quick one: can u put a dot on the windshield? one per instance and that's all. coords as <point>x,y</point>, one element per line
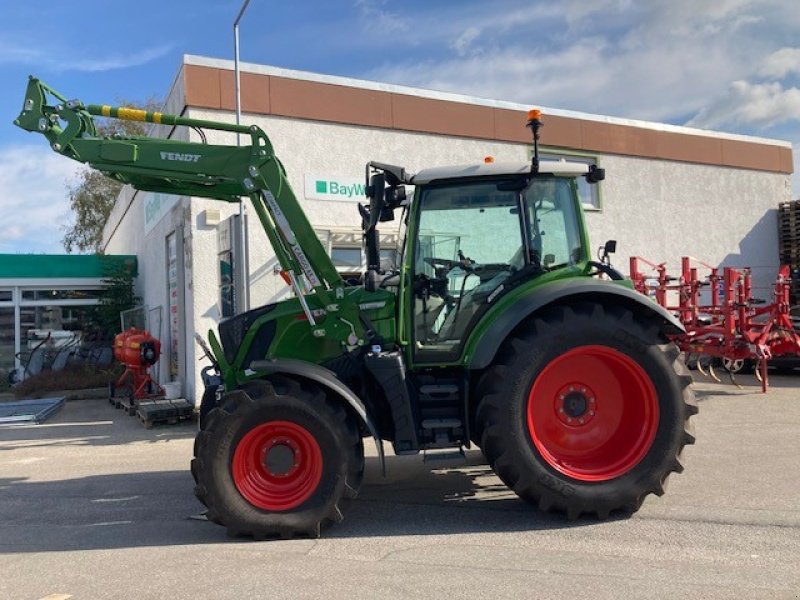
<point>470,240</point>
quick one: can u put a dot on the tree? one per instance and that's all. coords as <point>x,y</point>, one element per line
<point>92,197</point>
<point>118,295</point>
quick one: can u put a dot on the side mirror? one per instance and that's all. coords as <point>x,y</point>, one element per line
<point>595,174</point>
<point>610,247</point>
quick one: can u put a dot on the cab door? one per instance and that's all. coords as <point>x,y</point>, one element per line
<point>468,240</point>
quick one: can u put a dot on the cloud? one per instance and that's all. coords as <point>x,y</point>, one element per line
<point>462,43</point>
<point>764,104</point>
<point>380,19</point>
<point>781,63</point>
<point>54,58</point>
<point>111,63</point>
<point>33,198</point>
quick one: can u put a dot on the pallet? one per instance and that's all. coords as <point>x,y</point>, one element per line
<point>127,404</point>
<point>164,412</point>
<point>116,401</point>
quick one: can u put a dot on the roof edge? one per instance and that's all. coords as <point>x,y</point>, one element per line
<point>365,84</point>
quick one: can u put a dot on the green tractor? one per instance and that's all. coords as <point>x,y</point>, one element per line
<point>495,328</point>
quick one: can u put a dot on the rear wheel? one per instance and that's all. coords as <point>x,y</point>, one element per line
<point>277,459</point>
<point>586,410</point>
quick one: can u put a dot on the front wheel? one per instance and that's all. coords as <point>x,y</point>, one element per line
<point>277,459</point>
<point>586,410</point>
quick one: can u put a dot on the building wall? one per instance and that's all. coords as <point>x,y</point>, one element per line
<point>663,210</point>
<point>655,208</point>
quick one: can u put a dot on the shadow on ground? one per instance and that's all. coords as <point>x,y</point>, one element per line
<point>154,509</point>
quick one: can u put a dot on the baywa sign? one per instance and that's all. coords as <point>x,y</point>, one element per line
<point>326,187</point>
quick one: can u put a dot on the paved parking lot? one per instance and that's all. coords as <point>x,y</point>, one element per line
<point>94,506</point>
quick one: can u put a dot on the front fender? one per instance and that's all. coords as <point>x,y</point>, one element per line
<point>485,346</point>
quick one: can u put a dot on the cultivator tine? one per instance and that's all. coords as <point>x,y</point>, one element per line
<point>733,379</point>
<point>712,373</point>
<point>700,367</point>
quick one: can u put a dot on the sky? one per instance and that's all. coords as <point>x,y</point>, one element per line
<point>727,65</point>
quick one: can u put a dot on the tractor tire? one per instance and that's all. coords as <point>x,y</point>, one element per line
<point>207,404</point>
<point>278,461</point>
<point>586,410</point>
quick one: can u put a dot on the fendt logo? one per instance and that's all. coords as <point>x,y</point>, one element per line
<point>180,156</point>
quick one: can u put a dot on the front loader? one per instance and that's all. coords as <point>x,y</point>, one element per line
<point>497,330</point>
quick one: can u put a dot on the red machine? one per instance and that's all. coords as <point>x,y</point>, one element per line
<point>138,351</point>
<point>728,323</point>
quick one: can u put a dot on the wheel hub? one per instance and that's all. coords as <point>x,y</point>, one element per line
<point>280,459</point>
<point>575,404</point>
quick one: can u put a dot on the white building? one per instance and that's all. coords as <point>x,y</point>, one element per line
<point>669,191</point>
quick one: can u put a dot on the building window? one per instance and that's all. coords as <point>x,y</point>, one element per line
<point>62,294</point>
<point>346,258</point>
<point>348,255</point>
<point>7,342</point>
<point>589,193</point>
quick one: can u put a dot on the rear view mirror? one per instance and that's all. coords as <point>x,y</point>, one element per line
<point>595,174</point>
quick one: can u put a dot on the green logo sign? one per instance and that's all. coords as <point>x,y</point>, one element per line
<point>323,187</point>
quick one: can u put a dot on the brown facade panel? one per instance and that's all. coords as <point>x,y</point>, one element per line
<point>689,148</point>
<point>786,160</point>
<point>201,86</point>
<point>413,113</point>
<point>619,139</point>
<point>509,126</point>
<point>227,90</point>
<point>561,132</point>
<point>255,93</point>
<point>325,102</point>
<point>748,155</point>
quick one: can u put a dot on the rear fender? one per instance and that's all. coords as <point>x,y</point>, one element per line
<point>327,379</point>
<point>562,292</point>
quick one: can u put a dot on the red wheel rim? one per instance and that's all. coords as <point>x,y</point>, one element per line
<point>593,413</point>
<point>277,465</point>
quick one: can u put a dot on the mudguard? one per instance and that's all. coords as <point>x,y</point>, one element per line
<point>328,379</point>
<point>560,291</point>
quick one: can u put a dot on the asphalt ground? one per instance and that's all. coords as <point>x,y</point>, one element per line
<point>94,506</point>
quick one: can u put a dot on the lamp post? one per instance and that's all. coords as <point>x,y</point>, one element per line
<point>245,262</point>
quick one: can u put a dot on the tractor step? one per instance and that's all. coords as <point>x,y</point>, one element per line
<point>443,454</point>
<point>441,423</point>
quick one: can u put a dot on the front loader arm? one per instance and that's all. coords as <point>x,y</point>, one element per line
<point>207,170</point>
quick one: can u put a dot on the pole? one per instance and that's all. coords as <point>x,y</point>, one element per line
<point>245,262</point>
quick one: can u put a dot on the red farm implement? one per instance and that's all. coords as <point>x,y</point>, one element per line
<point>137,350</point>
<point>723,322</point>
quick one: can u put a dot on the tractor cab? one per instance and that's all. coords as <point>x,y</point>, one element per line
<point>474,233</point>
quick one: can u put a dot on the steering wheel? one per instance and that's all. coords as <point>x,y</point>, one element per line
<point>441,263</point>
